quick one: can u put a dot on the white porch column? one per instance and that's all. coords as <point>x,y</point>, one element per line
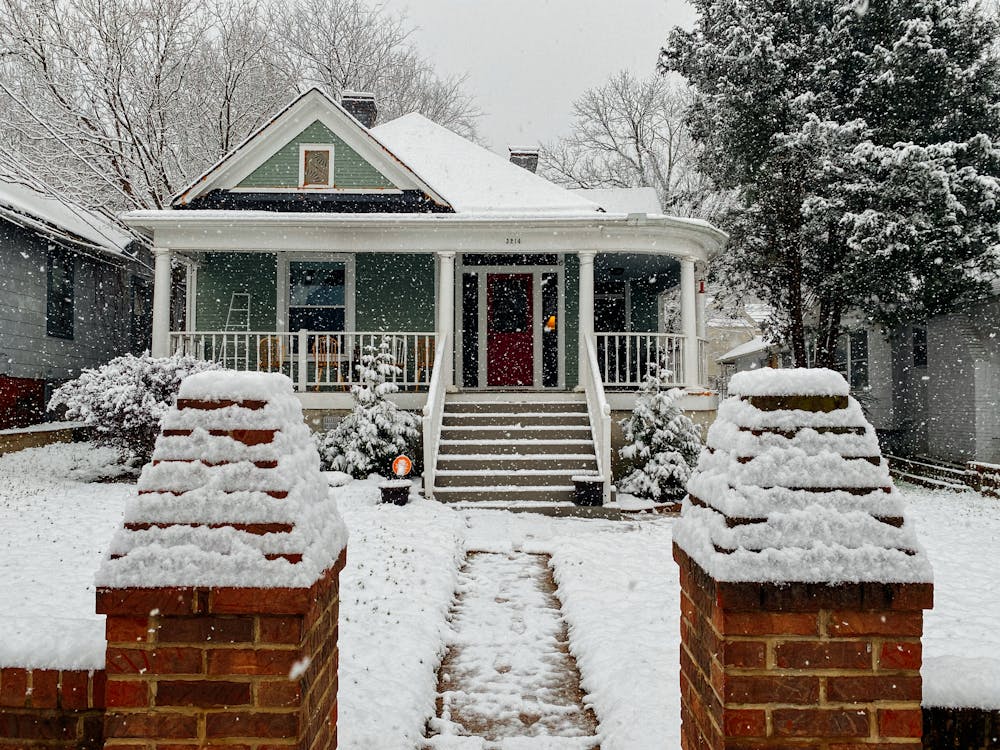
<point>446,299</point>
<point>586,303</point>
<point>689,322</point>
<point>160,346</point>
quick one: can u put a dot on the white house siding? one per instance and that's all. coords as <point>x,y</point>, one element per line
<point>878,398</point>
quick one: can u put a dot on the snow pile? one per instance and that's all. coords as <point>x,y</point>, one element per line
<point>792,487</point>
<point>234,495</point>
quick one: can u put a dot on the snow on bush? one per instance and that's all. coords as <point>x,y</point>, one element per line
<point>662,442</point>
<point>124,400</point>
<point>376,430</point>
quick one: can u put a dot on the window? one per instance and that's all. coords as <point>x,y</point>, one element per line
<point>316,166</point>
<point>852,359</point>
<point>60,305</point>
<point>317,296</point>
<point>919,346</point>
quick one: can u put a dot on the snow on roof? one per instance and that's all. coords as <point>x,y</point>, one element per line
<point>641,200</point>
<point>60,218</point>
<point>471,178</point>
<point>753,346</point>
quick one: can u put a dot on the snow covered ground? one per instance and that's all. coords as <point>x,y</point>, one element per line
<point>617,583</point>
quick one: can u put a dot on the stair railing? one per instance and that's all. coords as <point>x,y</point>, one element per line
<point>599,411</point>
<point>434,408</point>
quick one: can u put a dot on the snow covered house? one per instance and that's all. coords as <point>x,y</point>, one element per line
<point>322,233</point>
<point>74,293</point>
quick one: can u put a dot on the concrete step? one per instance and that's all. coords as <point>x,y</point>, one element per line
<point>515,446</point>
<point>523,432</point>
<point>582,462</point>
<point>513,407</point>
<point>521,478</point>
<point>469,419</point>
<point>506,494</point>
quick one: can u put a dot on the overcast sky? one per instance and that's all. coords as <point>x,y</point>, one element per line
<point>527,60</point>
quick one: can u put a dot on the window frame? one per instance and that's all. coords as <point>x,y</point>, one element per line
<point>285,259</point>
<point>303,148</point>
<point>53,301</point>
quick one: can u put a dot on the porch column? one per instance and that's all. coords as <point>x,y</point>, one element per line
<point>586,303</point>
<point>446,299</point>
<point>160,346</point>
<point>689,322</point>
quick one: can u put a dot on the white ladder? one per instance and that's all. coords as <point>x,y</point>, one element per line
<point>237,319</point>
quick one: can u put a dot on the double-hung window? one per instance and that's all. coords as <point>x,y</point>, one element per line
<point>317,296</point>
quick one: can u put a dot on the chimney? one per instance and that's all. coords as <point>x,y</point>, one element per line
<point>524,157</point>
<point>361,104</point>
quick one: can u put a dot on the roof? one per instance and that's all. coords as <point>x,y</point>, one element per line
<point>753,346</point>
<point>60,219</point>
<point>640,200</point>
<point>471,178</point>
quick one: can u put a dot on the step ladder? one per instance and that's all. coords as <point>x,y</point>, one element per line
<point>237,320</point>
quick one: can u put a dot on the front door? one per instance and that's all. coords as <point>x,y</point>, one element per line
<point>510,337</point>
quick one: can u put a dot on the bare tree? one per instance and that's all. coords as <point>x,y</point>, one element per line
<point>630,132</point>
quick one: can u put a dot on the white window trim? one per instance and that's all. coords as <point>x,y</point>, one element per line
<point>347,259</point>
<point>303,147</point>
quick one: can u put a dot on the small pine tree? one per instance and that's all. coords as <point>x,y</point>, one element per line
<point>376,431</point>
<point>662,442</point>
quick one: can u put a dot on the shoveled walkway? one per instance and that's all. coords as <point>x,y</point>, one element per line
<point>508,680</point>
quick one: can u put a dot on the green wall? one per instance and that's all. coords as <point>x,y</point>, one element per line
<point>572,283</point>
<point>350,170</point>
<point>394,292</point>
<point>221,274</point>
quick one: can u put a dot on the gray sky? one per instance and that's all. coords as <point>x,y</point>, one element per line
<point>527,60</point>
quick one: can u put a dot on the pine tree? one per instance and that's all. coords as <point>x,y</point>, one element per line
<point>660,439</point>
<point>376,431</point>
<point>860,136</point>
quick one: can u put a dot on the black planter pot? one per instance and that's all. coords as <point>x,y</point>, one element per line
<point>589,491</point>
<point>396,492</point>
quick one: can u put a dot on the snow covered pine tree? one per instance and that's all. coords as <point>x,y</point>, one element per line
<point>376,430</point>
<point>663,443</point>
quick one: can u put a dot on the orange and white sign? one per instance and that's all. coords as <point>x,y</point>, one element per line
<point>401,466</point>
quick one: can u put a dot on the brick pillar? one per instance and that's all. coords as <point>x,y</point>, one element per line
<point>201,666</point>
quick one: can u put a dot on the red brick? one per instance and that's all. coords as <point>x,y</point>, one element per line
<point>202,693</point>
<point>912,596</point>
<point>164,601</point>
<point>896,722</point>
<point>875,746</point>
<point>251,661</point>
<point>98,688</point>
<point>771,689</point>
<point>875,623</point>
<point>160,660</point>
<point>13,687</point>
<point>900,655</point>
<point>745,654</point>
<point>158,725</point>
<point>127,693</point>
<point>823,655</point>
<point>251,601</point>
<point>33,727</point>
<point>819,723</point>
<point>121,629</point>
<point>766,623</point>
<point>868,688</point>
<point>205,629</point>
<point>73,689</point>
<point>44,688</point>
<point>744,723</point>
<point>278,693</point>
<point>250,724</point>
<point>279,629</point>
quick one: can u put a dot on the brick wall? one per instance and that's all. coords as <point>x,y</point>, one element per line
<point>196,667</point>
<point>799,665</point>
<point>49,708</point>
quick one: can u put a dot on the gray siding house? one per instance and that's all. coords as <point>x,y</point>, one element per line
<point>74,292</point>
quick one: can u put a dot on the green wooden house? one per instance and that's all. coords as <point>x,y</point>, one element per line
<point>323,233</point>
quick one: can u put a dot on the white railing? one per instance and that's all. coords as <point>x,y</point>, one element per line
<point>315,360</point>
<point>434,410</point>
<point>702,362</point>
<point>623,358</point>
<point>600,412</point>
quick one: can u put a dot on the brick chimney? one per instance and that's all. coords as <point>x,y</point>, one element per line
<point>524,157</point>
<point>361,104</point>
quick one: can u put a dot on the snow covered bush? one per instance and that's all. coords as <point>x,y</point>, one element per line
<point>376,430</point>
<point>662,443</point>
<point>123,401</point>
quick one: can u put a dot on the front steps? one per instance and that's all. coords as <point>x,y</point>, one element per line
<point>513,447</point>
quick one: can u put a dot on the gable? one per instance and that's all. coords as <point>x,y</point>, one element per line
<point>350,169</point>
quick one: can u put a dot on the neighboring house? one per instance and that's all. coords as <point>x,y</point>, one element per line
<point>73,294</point>
<point>323,233</point>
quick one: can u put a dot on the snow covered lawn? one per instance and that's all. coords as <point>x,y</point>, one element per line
<point>617,583</point>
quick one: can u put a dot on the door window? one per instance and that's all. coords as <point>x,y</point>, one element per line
<point>509,303</point>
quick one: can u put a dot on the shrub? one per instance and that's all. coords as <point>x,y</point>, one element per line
<point>123,401</point>
<point>376,431</point>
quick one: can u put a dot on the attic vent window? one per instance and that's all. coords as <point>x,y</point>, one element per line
<point>316,166</point>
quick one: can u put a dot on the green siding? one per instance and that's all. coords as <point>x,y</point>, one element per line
<point>394,292</point>
<point>350,170</point>
<point>572,284</point>
<point>221,274</point>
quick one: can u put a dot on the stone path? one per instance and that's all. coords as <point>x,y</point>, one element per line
<point>508,680</point>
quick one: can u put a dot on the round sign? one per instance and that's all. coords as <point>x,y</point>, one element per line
<point>401,466</point>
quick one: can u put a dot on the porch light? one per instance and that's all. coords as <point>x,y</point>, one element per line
<point>550,323</point>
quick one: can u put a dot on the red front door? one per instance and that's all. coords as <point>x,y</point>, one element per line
<point>510,337</point>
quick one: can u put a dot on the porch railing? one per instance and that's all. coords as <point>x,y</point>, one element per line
<point>314,360</point>
<point>623,358</point>
<point>599,410</point>
<point>434,410</point>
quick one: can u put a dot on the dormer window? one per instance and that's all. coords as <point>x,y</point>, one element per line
<point>315,165</point>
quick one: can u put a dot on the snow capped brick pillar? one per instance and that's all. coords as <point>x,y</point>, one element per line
<point>221,589</point>
<point>803,586</point>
